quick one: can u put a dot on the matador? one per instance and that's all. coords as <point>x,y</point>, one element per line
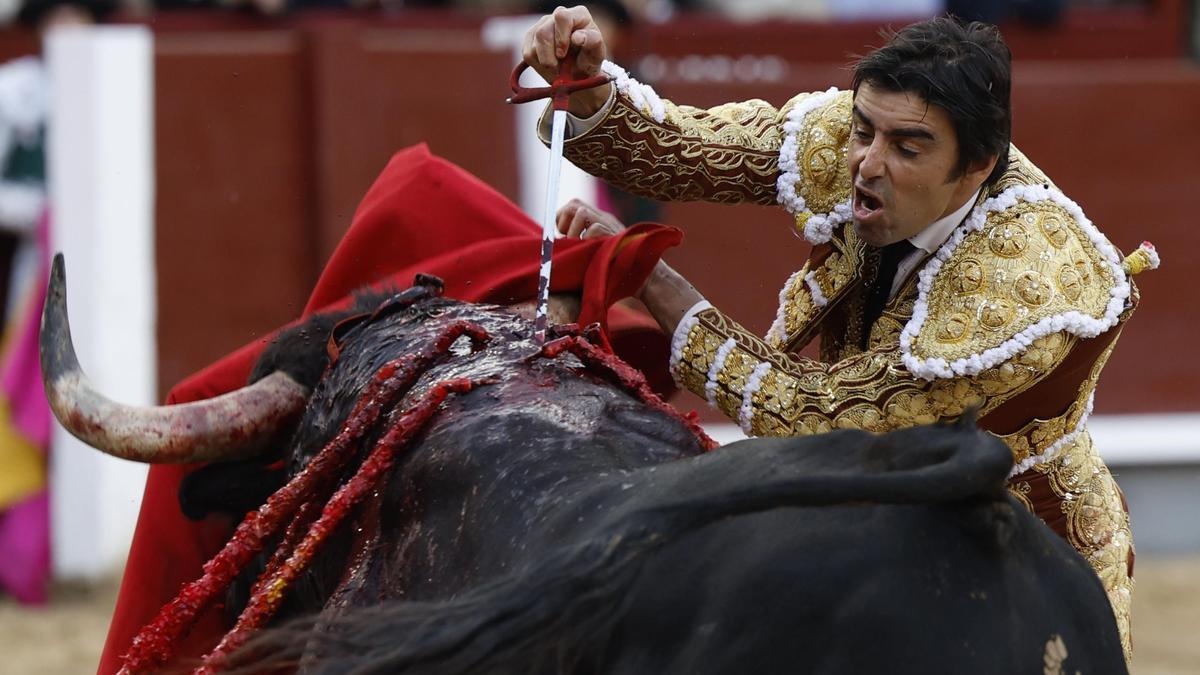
<point>1002,296</point>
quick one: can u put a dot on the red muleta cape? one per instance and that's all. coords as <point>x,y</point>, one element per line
<point>423,214</point>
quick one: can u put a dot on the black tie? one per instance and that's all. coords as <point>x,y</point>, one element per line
<point>889,259</point>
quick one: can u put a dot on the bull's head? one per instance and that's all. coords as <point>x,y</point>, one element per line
<point>236,425</point>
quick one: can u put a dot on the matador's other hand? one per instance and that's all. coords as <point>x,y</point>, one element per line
<point>579,219</point>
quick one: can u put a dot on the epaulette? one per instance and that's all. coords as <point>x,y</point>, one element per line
<point>814,181</point>
<point>1025,263</point>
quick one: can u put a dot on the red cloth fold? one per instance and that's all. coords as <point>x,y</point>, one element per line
<point>423,214</point>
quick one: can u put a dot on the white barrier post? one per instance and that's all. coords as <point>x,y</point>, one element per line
<point>101,171</point>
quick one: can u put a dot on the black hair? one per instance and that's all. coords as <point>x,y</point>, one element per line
<point>966,69</point>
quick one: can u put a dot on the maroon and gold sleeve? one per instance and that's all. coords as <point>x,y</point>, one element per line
<point>772,393</point>
<point>652,147</point>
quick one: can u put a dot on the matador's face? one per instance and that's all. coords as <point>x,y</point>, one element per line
<point>903,153</point>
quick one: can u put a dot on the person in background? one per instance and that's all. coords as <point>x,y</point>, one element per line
<point>24,241</point>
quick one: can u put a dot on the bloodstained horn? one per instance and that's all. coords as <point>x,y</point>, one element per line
<point>235,425</point>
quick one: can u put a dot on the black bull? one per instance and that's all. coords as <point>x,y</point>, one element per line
<point>550,522</point>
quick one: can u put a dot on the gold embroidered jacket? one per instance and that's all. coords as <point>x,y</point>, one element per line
<point>1015,314</point>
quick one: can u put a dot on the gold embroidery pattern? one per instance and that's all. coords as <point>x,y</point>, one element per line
<point>833,277</point>
<point>1028,263</point>
<point>727,154</point>
<point>1020,171</point>
<point>797,307</point>
<point>1097,524</point>
<point>837,276</point>
<point>821,155</point>
<point>1020,491</point>
<point>696,360</point>
<point>870,391</point>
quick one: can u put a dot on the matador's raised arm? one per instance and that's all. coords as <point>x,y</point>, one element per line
<point>652,147</point>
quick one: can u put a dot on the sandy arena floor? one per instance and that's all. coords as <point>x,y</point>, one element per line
<point>65,638</point>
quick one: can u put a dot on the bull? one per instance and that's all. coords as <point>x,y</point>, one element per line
<point>424,490</point>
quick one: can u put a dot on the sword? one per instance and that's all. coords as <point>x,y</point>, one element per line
<point>559,92</point>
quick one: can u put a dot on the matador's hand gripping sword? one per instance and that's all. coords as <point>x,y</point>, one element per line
<point>559,92</point>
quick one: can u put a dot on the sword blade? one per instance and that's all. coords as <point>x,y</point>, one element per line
<point>558,130</point>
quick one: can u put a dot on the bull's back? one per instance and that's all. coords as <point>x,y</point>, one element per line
<point>867,588</point>
<point>485,489</point>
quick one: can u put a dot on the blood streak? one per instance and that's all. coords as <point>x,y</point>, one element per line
<point>270,590</point>
<point>613,369</point>
<point>156,642</point>
<point>306,513</point>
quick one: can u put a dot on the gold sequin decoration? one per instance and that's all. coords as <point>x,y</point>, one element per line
<point>1007,240</point>
<point>1018,276</point>
<point>1069,283</point>
<point>1097,524</point>
<point>1032,289</point>
<point>821,154</point>
<point>834,276</point>
<point>968,276</point>
<point>1055,231</point>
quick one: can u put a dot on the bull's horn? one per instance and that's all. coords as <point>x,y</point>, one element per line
<point>236,425</point>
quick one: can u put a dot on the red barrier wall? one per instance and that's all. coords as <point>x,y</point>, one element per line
<point>268,133</point>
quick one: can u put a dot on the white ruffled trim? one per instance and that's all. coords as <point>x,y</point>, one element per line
<point>643,96</point>
<point>710,386</point>
<point>753,384</point>
<point>678,342</point>
<point>818,297</point>
<point>1053,451</point>
<point>679,339</point>
<point>819,227</point>
<point>778,331</point>
<point>789,164</point>
<point>1074,322</point>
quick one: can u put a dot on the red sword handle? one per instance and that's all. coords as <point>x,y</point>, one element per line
<point>560,89</point>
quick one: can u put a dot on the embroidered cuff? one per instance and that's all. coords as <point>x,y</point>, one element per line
<point>680,337</point>
<point>576,126</point>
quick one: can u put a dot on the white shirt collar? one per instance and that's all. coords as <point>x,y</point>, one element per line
<point>932,237</point>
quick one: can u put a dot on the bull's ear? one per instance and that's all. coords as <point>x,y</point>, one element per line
<point>968,421</point>
<point>300,351</point>
<point>430,282</point>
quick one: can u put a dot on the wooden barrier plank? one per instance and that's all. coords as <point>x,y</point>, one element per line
<point>236,254</point>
